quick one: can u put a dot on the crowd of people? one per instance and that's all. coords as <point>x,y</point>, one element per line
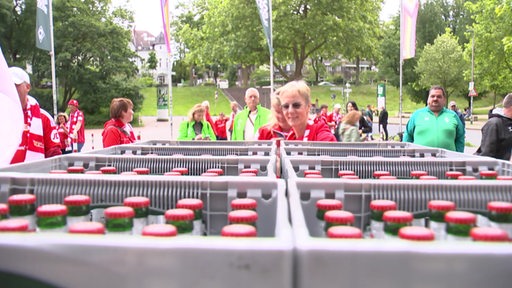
<point>292,117</point>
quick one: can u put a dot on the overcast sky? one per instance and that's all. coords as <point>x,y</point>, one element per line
<point>148,16</point>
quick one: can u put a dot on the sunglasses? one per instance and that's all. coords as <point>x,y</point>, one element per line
<point>295,106</point>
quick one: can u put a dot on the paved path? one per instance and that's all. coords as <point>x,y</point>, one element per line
<point>163,130</point>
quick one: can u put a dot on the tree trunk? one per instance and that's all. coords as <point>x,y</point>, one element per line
<point>358,69</point>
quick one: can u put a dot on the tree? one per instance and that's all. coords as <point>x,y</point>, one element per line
<point>152,61</point>
<point>441,64</point>
<point>91,50</point>
<point>230,31</point>
<point>493,51</point>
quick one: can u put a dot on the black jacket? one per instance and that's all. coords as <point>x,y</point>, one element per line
<point>383,117</point>
<point>496,138</point>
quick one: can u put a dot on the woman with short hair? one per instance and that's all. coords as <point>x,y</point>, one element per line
<point>118,129</point>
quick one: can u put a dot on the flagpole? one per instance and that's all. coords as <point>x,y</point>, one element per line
<point>52,57</point>
<point>401,64</point>
<point>170,62</point>
<point>271,52</point>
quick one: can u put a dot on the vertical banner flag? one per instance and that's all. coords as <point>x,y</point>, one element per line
<point>265,14</point>
<point>164,4</point>
<point>408,17</point>
<point>43,40</point>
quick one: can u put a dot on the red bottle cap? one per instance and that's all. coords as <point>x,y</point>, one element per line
<point>14,225</point>
<point>141,171</point>
<point>76,169</point>
<point>453,174</point>
<point>4,209</point>
<point>350,177</point>
<point>387,177</point>
<point>416,233</point>
<point>119,212</point>
<point>238,230</point>
<point>499,207</point>
<point>344,232</point>
<point>242,216</point>
<point>21,199</point>
<point>181,170</point>
<point>441,205</point>
<point>190,203</point>
<point>244,204</point>
<point>173,173</point>
<point>312,172</point>
<point>250,170</point>
<point>209,174</point>
<point>160,230</point>
<point>428,177</point>
<point>51,210</point>
<point>489,174</point>
<point>94,172</point>
<point>179,214</point>
<point>128,173</point>
<point>488,234</point>
<point>397,216</point>
<point>463,178</point>
<point>86,228</point>
<point>217,171</point>
<point>382,205</point>
<point>329,204</point>
<point>339,217</point>
<point>108,170</point>
<point>418,174</point>
<point>77,200</point>
<point>248,174</point>
<point>503,177</point>
<point>346,173</point>
<point>460,217</point>
<point>313,176</point>
<point>136,202</point>
<point>378,174</point>
<point>58,172</point>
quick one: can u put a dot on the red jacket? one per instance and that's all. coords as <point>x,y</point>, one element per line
<point>209,119</point>
<point>269,132</point>
<point>314,132</point>
<point>115,132</point>
<point>220,128</point>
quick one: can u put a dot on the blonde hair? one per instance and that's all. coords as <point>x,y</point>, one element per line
<point>299,87</point>
<point>63,115</point>
<point>275,104</point>
<point>352,117</point>
<point>198,108</point>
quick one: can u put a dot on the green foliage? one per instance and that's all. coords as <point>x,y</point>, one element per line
<point>152,62</point>
<point>441,64</point>
<point>493,56</point>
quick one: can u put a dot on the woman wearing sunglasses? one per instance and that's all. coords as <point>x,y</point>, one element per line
<point>295,104</point>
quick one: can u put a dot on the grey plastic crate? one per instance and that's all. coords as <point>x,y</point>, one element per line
<point>232,165</point>
<point>412,152</point>
<point>205,143</point>
<point>136,261</point>
<point>400,167</point>
<point>186,150</point>
<point>323,262</point>
<point>367,145</point>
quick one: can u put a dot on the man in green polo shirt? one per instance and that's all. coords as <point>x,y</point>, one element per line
<point>435,125</point>
<point>248,121</point>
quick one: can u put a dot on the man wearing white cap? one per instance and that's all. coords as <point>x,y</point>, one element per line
<point>40,138</point>
<point>453,107</point>
<point>76,125</point>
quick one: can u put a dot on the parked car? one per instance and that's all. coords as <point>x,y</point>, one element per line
<point>325,83</point>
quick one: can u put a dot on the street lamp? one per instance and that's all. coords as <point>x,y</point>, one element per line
<point>348,90</point>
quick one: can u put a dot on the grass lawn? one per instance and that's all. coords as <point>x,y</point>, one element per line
<point>185,97</point>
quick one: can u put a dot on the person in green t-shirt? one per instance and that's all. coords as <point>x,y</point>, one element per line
<point>435,125</point>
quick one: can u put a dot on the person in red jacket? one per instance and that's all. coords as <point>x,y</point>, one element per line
<point>40,138</point>
<point>118,130</point>
<point>62,120</point>
<point>76,125</point>
<point>208,116</point>
<point>278,126</point>
<point>220,127</point>
<point>295,99</point>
